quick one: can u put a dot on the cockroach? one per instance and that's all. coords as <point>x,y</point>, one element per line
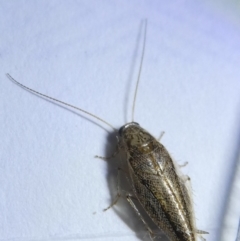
<point>156,181</point>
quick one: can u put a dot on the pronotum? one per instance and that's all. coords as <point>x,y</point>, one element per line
<point>156,181</point>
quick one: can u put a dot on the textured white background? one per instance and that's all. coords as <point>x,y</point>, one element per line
<point>87,53</point>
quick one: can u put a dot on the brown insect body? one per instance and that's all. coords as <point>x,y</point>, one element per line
<point>157,184</point>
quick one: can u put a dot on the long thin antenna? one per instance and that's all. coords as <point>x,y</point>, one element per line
<point>140,69</point>
<point>59,101</point>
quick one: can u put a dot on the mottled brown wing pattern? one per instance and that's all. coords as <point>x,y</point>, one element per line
<point>161,192</point>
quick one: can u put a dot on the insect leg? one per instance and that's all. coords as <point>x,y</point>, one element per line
<point>199,232</point>
<point>129,197</point>
<point>183,165</point>
<point>161,135</point>
<point>202,238</point>
<point>186,178</point>
<point>117,196</point>
<point>115,153</point>
<point>118,190</point>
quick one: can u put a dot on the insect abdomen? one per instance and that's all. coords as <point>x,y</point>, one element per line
<point>157,186</point>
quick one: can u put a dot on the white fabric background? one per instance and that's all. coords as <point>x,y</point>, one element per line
<point>87,53</point>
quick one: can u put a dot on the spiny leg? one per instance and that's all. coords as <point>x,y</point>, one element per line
<point>129,198</point>
<point>118,189</point>
<point>185,178</point>
<point>118,193</point>
<point>115,153</point>
<point>199,232</point>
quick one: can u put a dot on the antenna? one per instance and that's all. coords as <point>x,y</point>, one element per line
<point>140,69</point>
<point>59,101</point>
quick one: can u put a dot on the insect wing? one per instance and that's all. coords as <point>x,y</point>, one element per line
<point>159,188</point>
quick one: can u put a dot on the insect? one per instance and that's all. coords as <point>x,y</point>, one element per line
<point>156,181</point>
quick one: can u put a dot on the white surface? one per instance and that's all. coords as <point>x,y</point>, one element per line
<point>232,217</point>
<point>87,53</point>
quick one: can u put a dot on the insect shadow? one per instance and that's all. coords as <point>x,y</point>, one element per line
<point>117,176</point>
<point>117,170</point>
<point>118,180</point>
